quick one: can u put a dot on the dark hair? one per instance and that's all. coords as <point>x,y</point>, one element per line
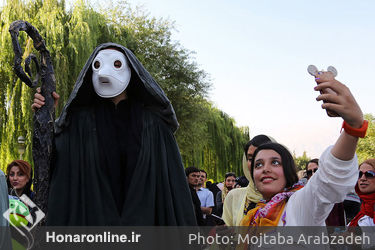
<point>289,166</point>
<point>315,160</point>
<point>190,170</point>
<point>201,170</point>
<point>229,174</point>
<point>256,142</point>
<point>242,181</point>
<point>26,169</point>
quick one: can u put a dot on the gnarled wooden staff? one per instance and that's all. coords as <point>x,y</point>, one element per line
<point>44,117</point>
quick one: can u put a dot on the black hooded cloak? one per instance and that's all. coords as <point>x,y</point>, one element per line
<point>118,165</point>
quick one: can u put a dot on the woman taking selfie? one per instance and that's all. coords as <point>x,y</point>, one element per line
<point>285,202</point>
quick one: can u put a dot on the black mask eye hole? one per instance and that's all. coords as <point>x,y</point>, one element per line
<point>96,64</point>
<point>117,64</point>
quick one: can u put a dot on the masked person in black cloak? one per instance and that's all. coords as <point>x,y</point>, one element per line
<point>116,161</point>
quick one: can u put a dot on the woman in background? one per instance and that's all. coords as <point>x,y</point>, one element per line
<point>365,188</point>
<point>229,182</point>
<point>19,178</point>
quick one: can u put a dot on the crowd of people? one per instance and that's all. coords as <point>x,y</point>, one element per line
<point>235,200</point>
<point>112,139</point>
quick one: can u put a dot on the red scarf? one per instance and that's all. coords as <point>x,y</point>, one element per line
<point>367,207</point>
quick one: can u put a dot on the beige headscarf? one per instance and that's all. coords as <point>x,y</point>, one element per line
<point>224,193</point>
<point>252,195</point>
<point>240,198</point>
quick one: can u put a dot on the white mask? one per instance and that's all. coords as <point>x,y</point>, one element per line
<point>110,73</point>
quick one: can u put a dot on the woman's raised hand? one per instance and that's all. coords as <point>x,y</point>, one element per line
<point>337,98</point>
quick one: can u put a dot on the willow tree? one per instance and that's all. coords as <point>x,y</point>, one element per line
<point>51,19</point>
<point>224,151</point>
<point>16,116</point>
<point>220,148</point>
<point>70,38</point>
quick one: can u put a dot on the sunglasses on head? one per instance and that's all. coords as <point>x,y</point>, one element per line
<point>309,172</point>
<point>368,174</point>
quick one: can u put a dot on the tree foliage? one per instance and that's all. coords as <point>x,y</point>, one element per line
<point>220,149</point>
<point>301,161</point>
<point>208,138</point>
<point>366,146</point>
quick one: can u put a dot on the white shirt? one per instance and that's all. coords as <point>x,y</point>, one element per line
<point>311,205</point>
<point>366,221</point>
<point>206,197</point>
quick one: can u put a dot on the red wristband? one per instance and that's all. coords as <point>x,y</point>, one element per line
<point>356,132</point>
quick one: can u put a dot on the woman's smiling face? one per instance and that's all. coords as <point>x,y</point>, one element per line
<point>366,184</point>
<point>268,173</point>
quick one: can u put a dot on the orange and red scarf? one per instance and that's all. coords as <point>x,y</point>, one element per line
<point>269,213</point>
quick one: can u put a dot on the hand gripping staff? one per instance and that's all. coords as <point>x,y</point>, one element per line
<point>44,117</point>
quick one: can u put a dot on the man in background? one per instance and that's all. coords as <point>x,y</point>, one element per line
<point>192,176</point>
<point>206,198</point>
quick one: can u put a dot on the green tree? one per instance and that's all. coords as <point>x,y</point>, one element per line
<point>366,146</point>
<point>16,116</point>
<point>301,161</point>
<point>221,149</point>
<point>70,38</point>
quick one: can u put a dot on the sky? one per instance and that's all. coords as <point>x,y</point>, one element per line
<point>257,52</point>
